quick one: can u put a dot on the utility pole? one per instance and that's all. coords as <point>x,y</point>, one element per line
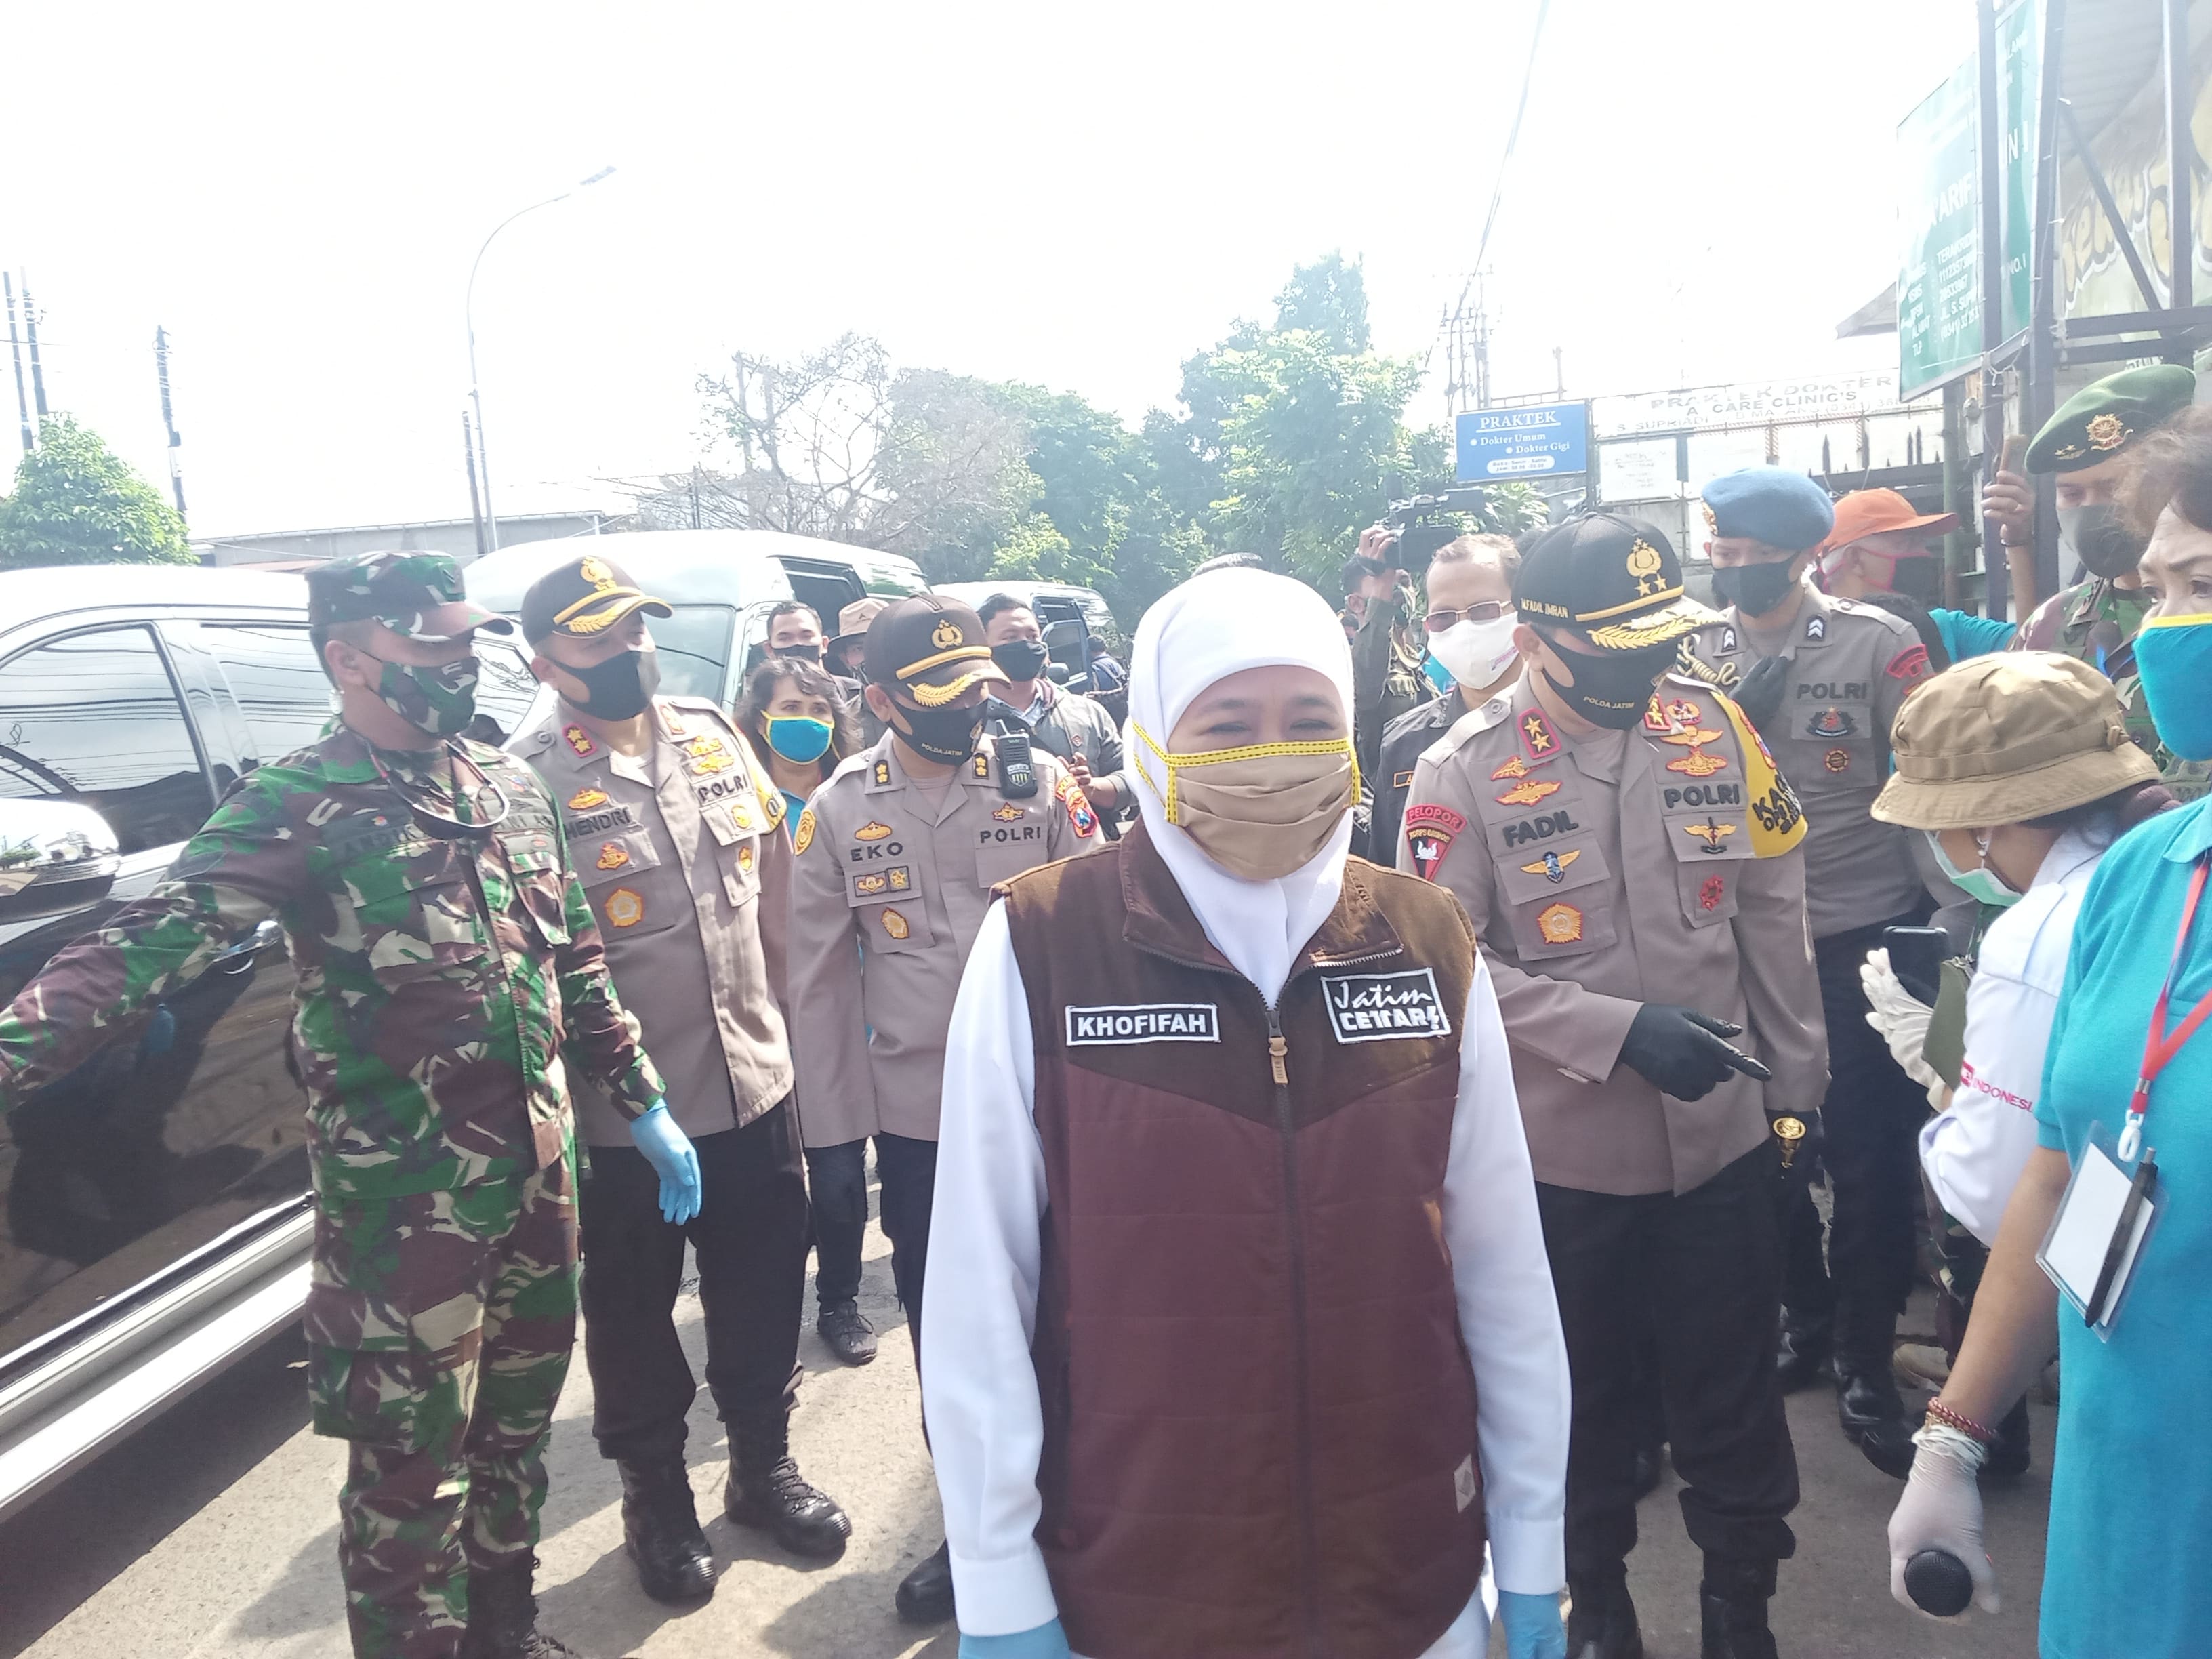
<point>169,414</point>
<point>38,374</point>
<point>1559,371</point>
<point>16,351</point>
<point>476,503</point>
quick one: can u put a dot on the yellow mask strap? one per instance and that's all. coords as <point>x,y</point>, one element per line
<point>1172,763</point>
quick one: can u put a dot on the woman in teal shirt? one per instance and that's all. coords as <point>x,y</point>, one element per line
<point>2126,1569</point>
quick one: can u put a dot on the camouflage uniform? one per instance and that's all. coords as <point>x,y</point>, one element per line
<point>440,976</point>
<point>2062,622</point>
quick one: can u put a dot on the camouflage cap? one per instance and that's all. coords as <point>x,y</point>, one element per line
<point>415,594</point>
<point>2107,416</point>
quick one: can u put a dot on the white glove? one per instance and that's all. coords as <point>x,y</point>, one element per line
<point>1902,1018</point>
<point>1942,1509</point>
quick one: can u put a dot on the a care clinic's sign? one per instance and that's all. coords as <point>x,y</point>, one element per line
<point>1505,444</point>
<point>1754,403</point>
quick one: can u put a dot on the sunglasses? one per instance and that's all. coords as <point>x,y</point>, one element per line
<point>1488,611</point>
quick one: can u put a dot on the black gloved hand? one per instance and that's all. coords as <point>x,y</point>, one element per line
<point>1758,693</point>
<point>1684,1052</point>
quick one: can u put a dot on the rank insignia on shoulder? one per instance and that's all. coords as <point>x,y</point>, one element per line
<point>803,837</point>
<point>585,799</point>
<point>1429,831</point>
<point>1654,717</point>
<point>883,773</point>
<point>624,908</point>
<point>1514,767</point>
<point>1529,791</point>
<point>1698,763</point>
<point>1401,779</point>
<point>1008,812</point>
<point>1816,629</point>
<point>1552,867</point>
<point>894,924</point>
<point>982,766</point>
<point>746,857</point>
<point>1837,760</point>
<point>1537,739</point>
<point>1727,639</point>
<point>580,740</point>
<point>613,856</point>
<point>872,831</point>
<point>1910,664</point>
<point>1710,836</point>
<point>1559,924</point>
<point>1711,891</point>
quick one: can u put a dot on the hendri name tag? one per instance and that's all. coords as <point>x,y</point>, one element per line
<point>1144,1022</point>
<point>1378,1007</point>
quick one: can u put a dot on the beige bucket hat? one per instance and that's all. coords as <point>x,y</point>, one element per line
<point>2005,738</point>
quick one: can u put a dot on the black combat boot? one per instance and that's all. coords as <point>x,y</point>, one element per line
<point>661,1531</point>
<point>766,1491</point>
<point>1732,1600</point>
<point>846,1329</point>
<point>1869,1405</point>
<point>1600,1619</point>
<point>1806,1341</point>
<point>503,1616</point>
<point>925,1595</point>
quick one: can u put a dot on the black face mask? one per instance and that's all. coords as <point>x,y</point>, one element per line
<point>2105,546</point>
<point>799,653</point>
<point>946,736</point>
<point>1614,691</point>
<point>621,686</point>
<point>1755,589</point>
<point>1022,659</point>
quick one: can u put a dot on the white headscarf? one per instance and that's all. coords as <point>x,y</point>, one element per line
<point>1211,627</point>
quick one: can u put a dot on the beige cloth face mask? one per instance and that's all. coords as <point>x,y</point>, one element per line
<point>1262,810</point>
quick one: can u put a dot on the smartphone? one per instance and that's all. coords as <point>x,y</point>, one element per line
<point>1916,957</point>
<point>2014,452</point>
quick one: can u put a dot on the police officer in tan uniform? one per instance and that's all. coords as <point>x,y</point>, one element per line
<point>1822,679</point>
<point>896,859</point>
<point>675,833</point>
<point>1629,857</point>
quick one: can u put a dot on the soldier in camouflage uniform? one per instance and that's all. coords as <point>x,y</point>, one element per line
<point>2096,619</point>
<point>447,960</point>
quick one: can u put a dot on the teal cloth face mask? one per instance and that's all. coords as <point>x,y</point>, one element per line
<point>2174,658</point>
<point>797,738</point>
<point>1983,886</point>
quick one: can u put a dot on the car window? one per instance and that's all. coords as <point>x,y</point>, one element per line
<point>506,686</point>
<point>695,649</point>
<point>94,718</point>
<point>281,689</point>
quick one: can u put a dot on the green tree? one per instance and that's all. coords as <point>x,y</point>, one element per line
<point>75,502</point>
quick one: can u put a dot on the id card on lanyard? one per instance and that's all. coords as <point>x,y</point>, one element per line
<point>2112,1199</point>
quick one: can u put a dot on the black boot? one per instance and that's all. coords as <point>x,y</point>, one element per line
<point>503,1617</point>
<point>1806,1344</point>
<point>1600,1619</point>
<point>660,1530</point>
<point>925,1595</point>
<point>1733,1600</point>
<point>1872,1411</point>
<point>846,1329</point>
<point>2009,1455</point>
<point>767,1491</point>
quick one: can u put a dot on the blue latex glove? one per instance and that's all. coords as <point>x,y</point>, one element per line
<point>1045,1642</point>
<point>1532,1630</point>
<point>668,1149</point>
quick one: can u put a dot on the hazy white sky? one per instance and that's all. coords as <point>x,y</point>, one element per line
<point>1080,195</point>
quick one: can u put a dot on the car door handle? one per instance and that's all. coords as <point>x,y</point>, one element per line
<point>239,959</point>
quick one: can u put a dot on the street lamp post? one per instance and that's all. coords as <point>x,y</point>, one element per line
<point>469,310</point>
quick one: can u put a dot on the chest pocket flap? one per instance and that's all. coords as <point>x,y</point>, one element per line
<point>612,854</point>
<point>1011,836</point>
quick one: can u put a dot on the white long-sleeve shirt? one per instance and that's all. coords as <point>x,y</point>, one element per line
<point>1975,1149</point>
<point>979,1387</point>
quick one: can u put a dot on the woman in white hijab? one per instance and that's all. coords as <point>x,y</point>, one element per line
<point>1241,1336</point>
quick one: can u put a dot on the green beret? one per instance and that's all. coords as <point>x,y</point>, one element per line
<point>2107,416</point>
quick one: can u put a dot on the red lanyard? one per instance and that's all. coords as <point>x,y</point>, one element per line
<point>2159,1048</point>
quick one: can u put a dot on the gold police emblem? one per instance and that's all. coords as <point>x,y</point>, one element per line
<point>1709,835</point>
<point>803,837</point>
<point>1559,924</point>
<point>585,799</point>
<point>1007,813</point>
<point>708,754</point>
<point>746,857</point>
<point>598,574</point>
<point>624,908</point>
<point>946,634</point>
<point>1643,564</point>
<point>894,924</point>
<point>613,856</point>
<point>872,831</point>
<point>2108,431</point>
<point>864,886</point>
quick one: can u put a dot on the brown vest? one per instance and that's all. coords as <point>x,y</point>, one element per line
<point>1259,1417</point>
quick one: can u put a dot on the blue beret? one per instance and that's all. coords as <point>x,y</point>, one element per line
<point>1769,504</point>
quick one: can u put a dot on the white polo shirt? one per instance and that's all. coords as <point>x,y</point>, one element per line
<point>1975,1149</point>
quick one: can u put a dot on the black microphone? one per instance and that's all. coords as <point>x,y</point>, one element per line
<point>1939,1582</point>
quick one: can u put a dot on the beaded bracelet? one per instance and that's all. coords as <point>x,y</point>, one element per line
<point>1940,1413</point>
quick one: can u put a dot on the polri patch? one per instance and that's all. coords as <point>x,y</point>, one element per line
<point>1382,1008</point>
<point>1144,1022</point>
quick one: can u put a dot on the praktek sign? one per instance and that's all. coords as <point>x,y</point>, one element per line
<point>1500,445</point>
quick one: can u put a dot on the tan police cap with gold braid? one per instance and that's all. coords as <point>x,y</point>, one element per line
<point>582,598</point>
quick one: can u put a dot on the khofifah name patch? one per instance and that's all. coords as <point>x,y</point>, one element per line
<point>1144,1022</point>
